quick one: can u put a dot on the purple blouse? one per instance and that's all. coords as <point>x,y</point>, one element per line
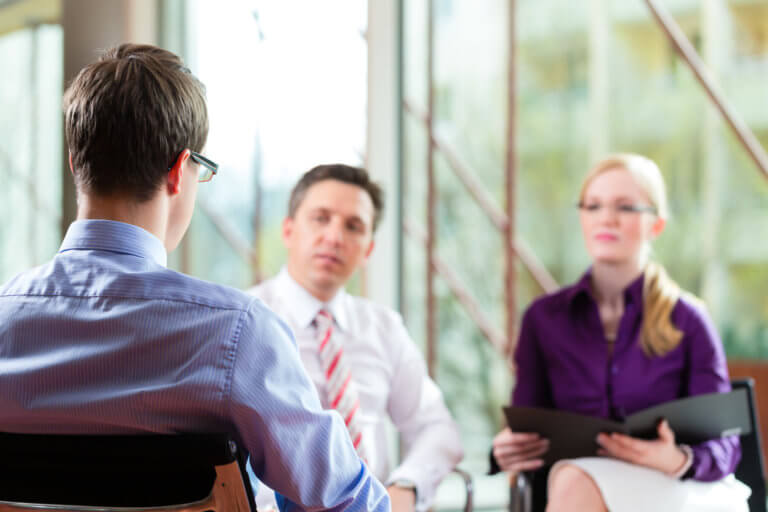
<point>562,362</point>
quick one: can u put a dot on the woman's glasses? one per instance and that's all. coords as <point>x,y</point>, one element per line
<point>617,209</point>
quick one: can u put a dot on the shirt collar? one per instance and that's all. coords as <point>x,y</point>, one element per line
<point>305,306</point>
<point>114,236</point>
<point>633,293</point>
<point>581,287</point>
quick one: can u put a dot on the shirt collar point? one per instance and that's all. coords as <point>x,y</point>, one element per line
<point>580,288</point>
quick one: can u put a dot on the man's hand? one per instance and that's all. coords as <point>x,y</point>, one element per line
<point>518,451</point>
<point>662,454</point>
<point>403,500</point>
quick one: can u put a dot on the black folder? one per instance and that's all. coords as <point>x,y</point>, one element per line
<point>694,419</point>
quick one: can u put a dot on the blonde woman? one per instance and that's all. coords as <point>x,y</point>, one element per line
<point>621,339</point>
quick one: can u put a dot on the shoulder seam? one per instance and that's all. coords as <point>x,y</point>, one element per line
<point>234,350</point>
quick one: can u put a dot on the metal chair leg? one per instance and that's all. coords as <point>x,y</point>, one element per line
<point>520,494</point>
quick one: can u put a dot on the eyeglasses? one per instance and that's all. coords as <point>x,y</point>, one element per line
<point>211,168</point>
<point>617,209</point>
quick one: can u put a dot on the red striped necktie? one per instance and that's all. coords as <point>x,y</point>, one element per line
<point>342,393</point>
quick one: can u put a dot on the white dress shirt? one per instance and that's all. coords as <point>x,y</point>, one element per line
<point>390,376</point>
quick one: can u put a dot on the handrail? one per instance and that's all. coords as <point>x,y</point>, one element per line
<point>510,182</point>
<point>460,291</point>
<point>9,168</point>
<point>688,53</point>
<point>486,203</point>
<point>229,234</point>
<point>431,235</point>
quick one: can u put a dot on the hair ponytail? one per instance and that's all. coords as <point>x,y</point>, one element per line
<point>659,335</point>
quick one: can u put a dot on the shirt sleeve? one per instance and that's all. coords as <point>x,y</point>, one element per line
<point>531,380</point>
<point>531,377</point>
<point>295,447</point>
<point>416,407</point>
<point>708,373</point>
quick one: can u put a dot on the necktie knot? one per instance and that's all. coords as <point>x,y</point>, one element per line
<point>323,321</point>
<point>324,325</point>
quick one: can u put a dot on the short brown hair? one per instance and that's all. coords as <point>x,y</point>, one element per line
<point>128,116</point>
<point>340,172</point>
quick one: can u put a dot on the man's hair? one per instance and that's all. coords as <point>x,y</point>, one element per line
<point>128,116</point>
<point>339,172</point>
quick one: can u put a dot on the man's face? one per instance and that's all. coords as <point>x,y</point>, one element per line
<point>329,237</point>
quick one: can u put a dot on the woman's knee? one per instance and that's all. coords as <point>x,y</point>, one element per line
<point>570,488</point>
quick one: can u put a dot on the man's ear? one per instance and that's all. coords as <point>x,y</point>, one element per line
<point>176,173</point>
<point>287,231</point>
<point>71,167</point>
<point>370,250</point>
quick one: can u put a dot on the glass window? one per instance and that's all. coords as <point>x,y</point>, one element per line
<point>592,78</point>
<point>30,147</point>
<point>285,92</point>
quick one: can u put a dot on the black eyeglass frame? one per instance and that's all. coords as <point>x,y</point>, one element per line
<point>211,167</point>
<point>209,164</point>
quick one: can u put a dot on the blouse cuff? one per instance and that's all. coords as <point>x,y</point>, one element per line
<point>683,470</point>
<point>494,466</point>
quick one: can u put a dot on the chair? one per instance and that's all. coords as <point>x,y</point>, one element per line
<point>150,473</point>
<point>751,468</point>
<point>468,489</point>
<point>520,494</point>
<point>750,471</point>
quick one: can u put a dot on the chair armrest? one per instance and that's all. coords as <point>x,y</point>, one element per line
<point>469,502</point>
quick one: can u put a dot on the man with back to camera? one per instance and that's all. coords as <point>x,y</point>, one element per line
<point>105,339</point>
<point>358,354</point>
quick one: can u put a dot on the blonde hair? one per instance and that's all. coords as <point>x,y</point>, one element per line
<point>658,335</point>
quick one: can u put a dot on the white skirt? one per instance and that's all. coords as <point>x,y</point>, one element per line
<point>631,488</point>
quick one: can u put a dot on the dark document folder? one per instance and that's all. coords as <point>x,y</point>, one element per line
<point>694,419</point>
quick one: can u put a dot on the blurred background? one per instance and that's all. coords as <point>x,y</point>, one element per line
<point>479,117</point>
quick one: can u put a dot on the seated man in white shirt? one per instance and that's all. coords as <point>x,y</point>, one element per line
<point>358,354</point>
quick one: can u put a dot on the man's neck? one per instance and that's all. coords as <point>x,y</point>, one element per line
<point>151,215</point>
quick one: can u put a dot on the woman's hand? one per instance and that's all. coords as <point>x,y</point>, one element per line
<point>518,451</point>
<point>662,454</point>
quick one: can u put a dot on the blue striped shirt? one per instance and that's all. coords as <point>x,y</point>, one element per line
<point>105,339</point>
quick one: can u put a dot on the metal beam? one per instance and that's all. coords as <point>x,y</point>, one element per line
<point>485,201</point>
<point>431,194</point>
<point>510,182</point>
<point>34,117</point>
<point>459,290</point>
<point>7,168</point>
<point>382,146</point>
<point>688,53</point>
<point>230,235</point>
